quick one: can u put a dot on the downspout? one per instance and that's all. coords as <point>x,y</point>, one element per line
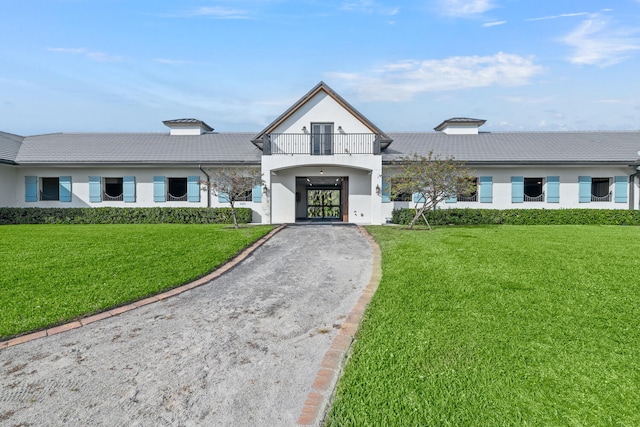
<point>208,185</point>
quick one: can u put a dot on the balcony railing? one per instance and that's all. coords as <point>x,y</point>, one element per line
<point>321,144</point>
<point>538,198</point>
<point>172,198</point>
<point>605,198</point>
<point>109,198</point>
<point>470,198</point>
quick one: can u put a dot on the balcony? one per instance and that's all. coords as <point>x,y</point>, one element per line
<point>321,144</point>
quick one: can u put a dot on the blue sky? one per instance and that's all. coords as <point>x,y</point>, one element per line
<point>126,65</point>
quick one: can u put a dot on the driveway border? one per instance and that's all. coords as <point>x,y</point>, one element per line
<point>319,399</point>
<point>146,301</point>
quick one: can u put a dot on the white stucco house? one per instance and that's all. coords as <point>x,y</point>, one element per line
<point>320,159</point>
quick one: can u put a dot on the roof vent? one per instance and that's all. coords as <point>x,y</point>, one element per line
<point>460,126</point>
<point>187,127</point>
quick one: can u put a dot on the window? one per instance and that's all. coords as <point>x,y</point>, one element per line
<point>398,197</point>
<point>50,189</point>
<point>113,189</point>
<point>472,196</point>
<point>177,189</point>
<point>247,196</point>
<point>321,139</point>
<point>533,190</point>
<point>600,190</point>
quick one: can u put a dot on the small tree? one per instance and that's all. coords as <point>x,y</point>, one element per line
<point>431,180</point>
<point>232,185</point>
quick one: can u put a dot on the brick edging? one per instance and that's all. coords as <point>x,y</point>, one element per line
<point>146,301</point>
<point>323,388</point>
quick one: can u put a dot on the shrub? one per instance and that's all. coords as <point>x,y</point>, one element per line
<point>122,215</point>
<point>521,217</point>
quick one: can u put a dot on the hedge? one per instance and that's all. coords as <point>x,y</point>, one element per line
<point>122,215</point>
<point>521,216</point>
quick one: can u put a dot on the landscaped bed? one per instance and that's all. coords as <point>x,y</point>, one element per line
<point>498,326</point>
<point>53,273</point>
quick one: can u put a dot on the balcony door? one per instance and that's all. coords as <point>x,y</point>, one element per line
<point>321,139</point>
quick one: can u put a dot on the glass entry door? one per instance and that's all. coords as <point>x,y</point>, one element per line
<point>323,204</point>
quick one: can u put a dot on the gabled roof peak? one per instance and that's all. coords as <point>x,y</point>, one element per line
<point>321,87</point>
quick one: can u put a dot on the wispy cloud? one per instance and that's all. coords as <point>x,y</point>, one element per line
<point>461,8</point>
<point>368,6</point>
<point>493,24</point>
<point>563,15</point>
<point>94,55</point>
<point>172,61</point>
<point>217,12</point>
<point>403,80</point>
<point>596,42</point>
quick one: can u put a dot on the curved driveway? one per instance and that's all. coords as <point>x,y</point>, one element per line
<point>241,350</point>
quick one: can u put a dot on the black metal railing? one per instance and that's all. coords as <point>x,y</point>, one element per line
<point>321,144</point>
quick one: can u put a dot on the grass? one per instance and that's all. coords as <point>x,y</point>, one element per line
<point>50,274</point>
<point>499,326</point>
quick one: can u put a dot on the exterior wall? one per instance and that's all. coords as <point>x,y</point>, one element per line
<point>280,172</point>
<point>8,185</point>
<point>569,188</point>
<point>144,188</point>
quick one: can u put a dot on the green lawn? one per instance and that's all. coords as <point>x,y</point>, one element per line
<point>53,273</point>
<point>499,326</point>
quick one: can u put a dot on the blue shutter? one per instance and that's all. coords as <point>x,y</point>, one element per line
<point>486,189</point>
<point>584,189</point>
<point>621,189</point>
<point>417,198</point>
<point>256,194</point>
<point>94,189</point>
<point>159,193</point>
<point>129,189</point>
<point>193,189</point>
<point>65,188</point>
<point>223,197</point>
<point>451,198</point>
<point>517,189</point>
<point>553,189</point>
<point>30,188</point>
<point>386,189</point>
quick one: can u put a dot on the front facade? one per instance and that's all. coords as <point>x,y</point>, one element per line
<point>320,160</point>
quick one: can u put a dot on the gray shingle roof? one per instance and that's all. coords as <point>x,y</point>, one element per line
<point>216,148</point>
<point>9,147</point>
<point>143,148</point>
<point>521,147</point>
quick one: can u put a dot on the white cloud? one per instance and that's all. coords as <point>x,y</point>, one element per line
<point>595,42</point>
<point>466,7</point>
<point>217,12</point>
<point>403,80</point>
<point>172,61</point>
<point>96,56</point>
<point>368,6</point>
<point>563,15</point>
<point>493,24</point>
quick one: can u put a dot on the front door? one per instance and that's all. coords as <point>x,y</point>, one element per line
<point>323,204</point>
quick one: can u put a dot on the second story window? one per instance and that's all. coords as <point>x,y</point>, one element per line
<point>321,139</point>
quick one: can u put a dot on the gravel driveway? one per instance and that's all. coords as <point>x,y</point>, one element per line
<point>242,350</point>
